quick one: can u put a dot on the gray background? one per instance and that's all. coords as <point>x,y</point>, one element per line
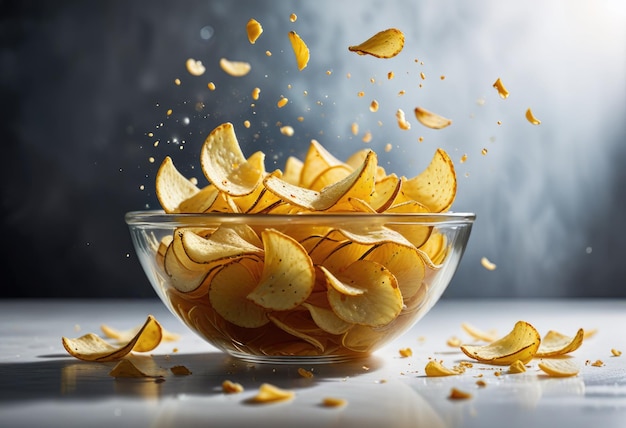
<point>83,83</point>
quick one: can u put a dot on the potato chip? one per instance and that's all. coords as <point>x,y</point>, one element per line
<point>269,393</point>
<point>230,387</point>
<point>194,67</point>
<point>430,119</point>
<point>288,274</point>
<point>172,187</point>
<point>457,394</point>
<point>531,117</point>
<point>300,50</point>
<point>385,44</point>
<point>254,30</point>
<point>223,244</point>
<point>327,320</point>
<point>235,68</point>
<point>127,335</point>
<point>436,368</point>
<point>478,334</point>
<point>487,264</point>
<point>378,304</point>
<point>330,176</point>
<point>317,160</point>
<point>500,88</point>
<point>201,202</point>
<point>91,347</point>
<point>404,263</point>
<point>299,325</point>
<point>521,344</point>
<point>559,367</point>
<point>435,187</point>
<point>616,352</point>
<point>182,278</point>
<point>125,368</point>
<point>517,367</point>
<point>556,344</point>
<point>401,119</point>
<point>405,352</point>
<point>228,293</point>
<point>224,164</point>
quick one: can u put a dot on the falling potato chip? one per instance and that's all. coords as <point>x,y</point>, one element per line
<point>269,393</point>
<point>235,68</point>
<point>430,119</point>
<point>91,347</point>
<point>224,164</point>
<point>228,293</point>
<point>378,304</point>
<point>194,67</point>
<point>531,117</point>
<point>559,367</point>
<point>436,369</point>
<point>125,368</point>
<point>385,44</point>
<point>500,88</point>
<point>300,50</point>
<point>555,344</point>
<point>288,274</point>
<point>254,30</point>
<point>172,187</point>
<point>521,344</point>
<point>435,187</point>
<point>401,119</point>
<point>487,264</point>
<point>517,367</point>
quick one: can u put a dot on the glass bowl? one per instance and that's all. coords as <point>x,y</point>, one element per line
<point>299,288</point>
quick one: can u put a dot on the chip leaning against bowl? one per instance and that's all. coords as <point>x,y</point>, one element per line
<point>326,260</point>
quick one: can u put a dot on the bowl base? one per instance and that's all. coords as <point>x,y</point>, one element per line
<point>296,359</point>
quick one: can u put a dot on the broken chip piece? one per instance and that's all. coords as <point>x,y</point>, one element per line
<point>254,30</point>
<point>230,387</point>
<point>269,393</point>
<point>385,44</point>
<point>457,394</point>
<point>500,88</point>
<point>556,344</point>
<point>300,50</point>
<point>517,367</point>
<point>125,368</point>
<point>531,117</point>
<point>436,368</point>
<point>559,367</point>
<point>430,119</point>
<point>235,68</point>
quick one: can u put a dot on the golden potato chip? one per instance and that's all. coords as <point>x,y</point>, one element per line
<point>299,325</point>
<point>235,68</point>
<point>176,265</point>
<point>91,347</point>
<point>385,192</point>
<point>457,394</point>
<point>616,352</point>
<point>230,387</point>
<point>327,320</point>
<point>378,304</point>
<point>405,352</point>
<point>224,164</point>
<point>401,119</point>
<point>435,187</point>
<point>404,263</point>
<point>288,274</point>
<point>531,117</point>
<point>330,176</point>
<point>317,160</point>
<point>305,373</point>
<point>385,44</point>
<point>223,244</point>
<point>478,334</point>
<point>559,367</point>
<point>201,202</point>
<point>430,119</point>
<point>435,369</point>
<point>300,50</point>
<point>555,344</point>
<point>517,367</point>
<point>521,344</point>
<point>194,67</point>
<point>269,393</point>
<point>487,264</point>
<point>500,88</point>
<point>127,335</point>
<point>293,170</point>
<point>228,293</point>
<point>172,187</point>
<point>254,30</point>
<point>125,368</point>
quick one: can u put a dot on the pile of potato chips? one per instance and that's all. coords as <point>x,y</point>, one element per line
<point>311,268</point>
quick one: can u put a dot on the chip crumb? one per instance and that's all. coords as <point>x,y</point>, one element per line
<point>517,367</point>
<point>485,262</point>
<point>211,86</point>
<point>177,82</point>
<point>287,130</point>
<point>235,68</point>
<point>374,106</point>
<point>463,158</point>
<point>354,128</point>
<point>246,124</point>
<point>615,352</point>
<point>502,91</point>
<point>282,102</point>
<point>366,368</point>
<point>453,342</point>
<point>484,151</point>
<point>230,387</point>
<point>269,393</point>
<point>254,30</point>
<point>423,76</point>
<point>402,122</point>
<point>194,67</point>
<point>268,53</point>
<point>333,402</point>
<point>367,137</point>
<point>481,383</point>
<point>388,147</point>
<point>457,394</point>
<point>405,352</point>
<point>390,75</point>
<point>293,17</point>
<point>256,92</point>
<point>305,373</point>
<point>598,363</point>
<point>180,371</point>
<point>437,369</point>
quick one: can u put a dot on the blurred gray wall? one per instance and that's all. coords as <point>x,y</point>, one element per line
<point>84,83</point>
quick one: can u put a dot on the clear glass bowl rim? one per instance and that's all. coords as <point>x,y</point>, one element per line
<point>160,218</point>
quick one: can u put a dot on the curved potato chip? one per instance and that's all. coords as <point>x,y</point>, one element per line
<point>254,30</point>
<point>385,44</point>
<point>224,164</point>
<point>317,160</point>
<point>293,323</point>
<point>125,368</point>
<point>329,176</point>
<point>435,187</point>
<point>500,88</point>
<point>521,344</point>
<point>201,202</point>
<point>228,295</point>
<point>430,119</point>
<point>91,347</point>
<point>378,304</point>
<point>327,320</point>
<point>224,243</point>
<point>172,187</point>
<point>555,344</point>
<point>404,263</point>
<point>476,333</point>
<point>531,117</point>
<point>436,369</point>
<point>300,50</point>
<point>293,170</point>
<point>127,335</point>
<point>435,248</point>
<point>385,192</point>
<point>235,68</point>
<point>183,279</point>
<point>288,275</point>
<point>362,338</point>
<point>339,286</point>
<point>559,368</point>
<point>259,201</point>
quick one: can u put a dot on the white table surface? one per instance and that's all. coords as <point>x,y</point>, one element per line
<point>41,385</point>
